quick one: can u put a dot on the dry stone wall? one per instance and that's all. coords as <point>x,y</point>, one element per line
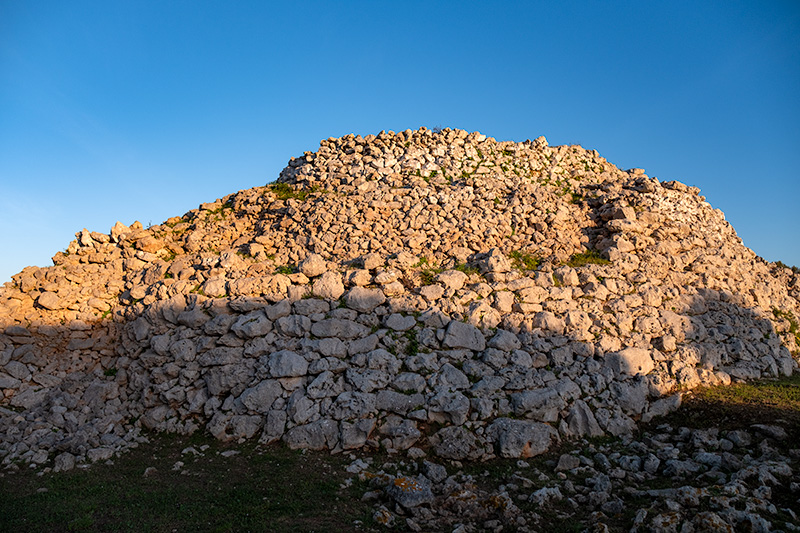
<point>436,289</point>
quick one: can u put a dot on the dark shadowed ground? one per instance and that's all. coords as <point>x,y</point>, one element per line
<point>198,484</point>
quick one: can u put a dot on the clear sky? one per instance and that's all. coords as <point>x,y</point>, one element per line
<point>141,110</point>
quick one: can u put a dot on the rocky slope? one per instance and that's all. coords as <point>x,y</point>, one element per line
<point>439,290</point>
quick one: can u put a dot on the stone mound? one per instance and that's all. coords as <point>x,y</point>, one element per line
<point>432,289</point>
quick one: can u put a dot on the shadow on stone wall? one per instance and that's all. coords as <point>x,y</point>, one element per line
<point>364,370</point>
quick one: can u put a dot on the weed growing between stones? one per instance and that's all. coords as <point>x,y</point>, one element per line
<point>286,269</point>
<point>524,261</point>
<point>589,257</point>
<point>284,191</point>
<point>794,327</point>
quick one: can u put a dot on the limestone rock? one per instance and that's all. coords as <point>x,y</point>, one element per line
<point>339,328</point>
<point>313,265</point>
<point>456,443</point>
<point>261,397</point>
<point>364,300</point>
<point>521,438</point>
<point>630,361</point>
<point>286,364</point>
<point>452,279</point>
<point>329,286</point>
<point>49,300</point>
<point>461,335</point>
<point>410,491</point>
<point>315,436</point>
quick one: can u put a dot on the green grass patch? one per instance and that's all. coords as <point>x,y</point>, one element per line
<point>466,269</point>
<point>423,262</point>
<point>589,257</point>
<point>412,344</point>
<point>428,276</point>
<point>781,394</point>
<point>197,290</point>
<point>261,489</point>
<point>523,261</point>
<point>284,191</point>
<point>285,269</point>
<point>740,405</point>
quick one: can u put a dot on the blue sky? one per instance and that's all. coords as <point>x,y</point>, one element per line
<point>141,110</point>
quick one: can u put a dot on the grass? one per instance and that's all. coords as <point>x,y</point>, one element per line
<point>423,262</point>
<point>782,393</point>
<point>742,404</point>
<point>261,489</point>
<point>284,191</point>
<point>412,344</point>
<point>428,275</point>
<point>429,271</point>
<point>589,257</point>
<point>285,269</point>
<point>197,290</point>
<point>466,269</point>
<point>523,261</point>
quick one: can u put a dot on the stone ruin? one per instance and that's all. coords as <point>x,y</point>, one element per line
<point>441,290</point>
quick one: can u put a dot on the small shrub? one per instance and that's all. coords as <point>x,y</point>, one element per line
<point>781,264</point>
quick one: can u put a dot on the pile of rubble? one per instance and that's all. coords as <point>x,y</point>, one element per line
<point>437,289</point>
<point>667,479</point>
